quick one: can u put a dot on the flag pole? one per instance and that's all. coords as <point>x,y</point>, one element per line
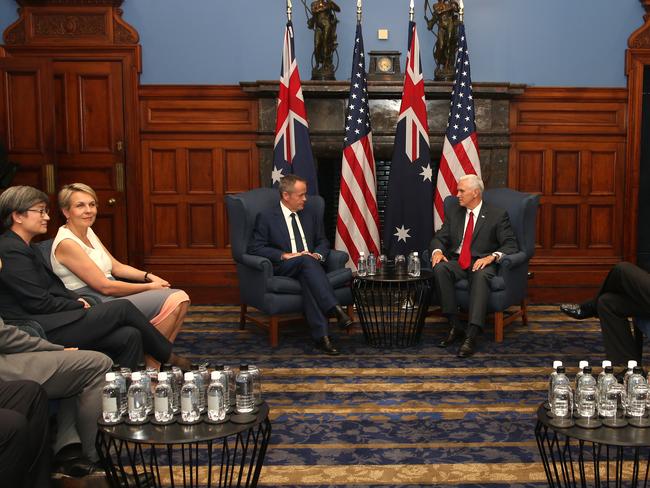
<point>289,6</point>
<point>358,10</point>
<point>411,11</point>
<point>461,10</point>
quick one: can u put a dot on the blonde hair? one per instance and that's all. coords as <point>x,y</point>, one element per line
<point>67,191</point>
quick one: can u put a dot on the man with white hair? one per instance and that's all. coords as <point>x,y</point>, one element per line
<point>472,240</point>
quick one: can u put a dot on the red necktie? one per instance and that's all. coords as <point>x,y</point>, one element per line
<point>465,257</point>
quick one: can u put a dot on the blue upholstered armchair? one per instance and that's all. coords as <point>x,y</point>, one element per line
<point>510,286</point>
<point>258,287</point>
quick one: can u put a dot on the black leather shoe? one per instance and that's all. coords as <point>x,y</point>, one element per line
<point>80,467</point>
<point>467,347</point>
<point>343,318</point>
<point>577,311</point>
<point>453,336</point>
<point>325,345</point>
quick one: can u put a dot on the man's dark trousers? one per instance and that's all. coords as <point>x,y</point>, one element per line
<point>317,294</point>
<point>624,293</point>
<point>24,435</point>
<point>448,273</point>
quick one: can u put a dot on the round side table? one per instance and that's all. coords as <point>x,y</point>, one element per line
<point>604,456</point>
<point>223,455</point>
<point>392,307</point>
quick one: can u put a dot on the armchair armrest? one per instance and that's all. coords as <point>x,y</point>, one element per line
<point>259,263</point>
<point>336,260</point>
<point>513,260</point>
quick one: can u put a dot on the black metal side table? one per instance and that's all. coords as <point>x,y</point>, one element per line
<point>223,455</point>
<point>392,307</point>
<point>593,457</point>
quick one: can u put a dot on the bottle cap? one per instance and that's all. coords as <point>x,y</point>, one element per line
<point>606,363</point>
<point>214,375</point>
<point>162,376</point>
<point>110,376</point>
<point>243,367</point>
<point>561,369</point>
<point>631,363</point>
<point>637,370</point>
<point>136,376</point>
<point>586,370</point>
<point>116,367</point>
<point>189,376</point>
<point>609,369</point>
<point>142,366</point>
<point>415,254</point>
<point>556,364</point>
<point>583,364</point>
<point>361,253</point>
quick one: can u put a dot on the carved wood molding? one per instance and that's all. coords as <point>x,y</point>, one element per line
<point>73,22</point>
<point>640,38</point>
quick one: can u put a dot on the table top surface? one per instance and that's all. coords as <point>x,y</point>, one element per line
<point>628,436</point>
<point>391,276</point>
<point>179,434</point>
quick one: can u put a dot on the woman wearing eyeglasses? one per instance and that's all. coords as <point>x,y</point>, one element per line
<point>85,266</point>
<point>29,290</point>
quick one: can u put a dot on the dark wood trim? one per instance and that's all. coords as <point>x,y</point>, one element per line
<point>584,124</point>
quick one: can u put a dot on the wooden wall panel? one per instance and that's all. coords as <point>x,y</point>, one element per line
<point>568,145</point>
<point>198,145</point>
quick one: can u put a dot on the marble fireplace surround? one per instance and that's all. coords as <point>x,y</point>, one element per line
<point>326,103</point>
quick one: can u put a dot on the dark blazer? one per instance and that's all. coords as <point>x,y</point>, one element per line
<point>492,232</point>
<point>271,236</point>
<point>30,290</point>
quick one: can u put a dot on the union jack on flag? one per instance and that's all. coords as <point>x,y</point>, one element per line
<point>408,218</point>
<point>292,147</point>
<point>460,154</point>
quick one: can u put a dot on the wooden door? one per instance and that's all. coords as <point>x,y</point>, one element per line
<point>89,140</point>
<point>27,122</point>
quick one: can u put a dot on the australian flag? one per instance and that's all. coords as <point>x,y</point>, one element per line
<point>408,217</point>
<point>292,147</point>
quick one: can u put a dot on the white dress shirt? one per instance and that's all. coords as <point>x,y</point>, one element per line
<point>287,219</point>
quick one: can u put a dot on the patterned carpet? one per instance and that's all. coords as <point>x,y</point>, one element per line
<point>400,418</point>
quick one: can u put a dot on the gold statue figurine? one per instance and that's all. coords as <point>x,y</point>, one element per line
<point>444,14</point>
<point>321,17</point>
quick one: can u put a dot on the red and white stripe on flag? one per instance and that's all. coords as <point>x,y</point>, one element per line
<point>357,227</point>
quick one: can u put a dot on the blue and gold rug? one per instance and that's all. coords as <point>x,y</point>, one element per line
<point>400,418</point>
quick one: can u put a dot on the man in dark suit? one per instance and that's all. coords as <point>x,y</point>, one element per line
<point>624,293</point>
<point>473,238</point>
<point>293,239</point>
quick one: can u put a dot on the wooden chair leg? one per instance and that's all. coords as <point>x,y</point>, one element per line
<point>524,311</point>
<point>350,312</point>
<point>273,331</point>
<point>498,326</point>
<point>242,316</point>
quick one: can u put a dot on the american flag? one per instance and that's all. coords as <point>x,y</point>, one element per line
<point>357,227</point>
<point>460,149</point>
<point>408,219</point>
<point>292,148</point>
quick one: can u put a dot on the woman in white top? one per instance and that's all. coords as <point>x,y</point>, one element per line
<point>86,267</point>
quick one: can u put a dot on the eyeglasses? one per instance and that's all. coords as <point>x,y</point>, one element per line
<point>42,211</point>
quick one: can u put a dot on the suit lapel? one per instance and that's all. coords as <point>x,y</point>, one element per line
<point>459,231</point>
<point>478,225</point>
<point>284,231</point>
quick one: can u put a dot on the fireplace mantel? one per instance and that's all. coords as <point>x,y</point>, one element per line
<point>326,102</point>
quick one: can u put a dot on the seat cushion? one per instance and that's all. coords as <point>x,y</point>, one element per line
<point>496,284</point>
<point>283,284</point>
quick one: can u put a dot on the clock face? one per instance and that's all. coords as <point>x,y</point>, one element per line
<point>385,64</point>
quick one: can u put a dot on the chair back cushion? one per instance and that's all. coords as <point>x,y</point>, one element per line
<point>45,247</point>
<point>522,210</point>
<point>243,209</point>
